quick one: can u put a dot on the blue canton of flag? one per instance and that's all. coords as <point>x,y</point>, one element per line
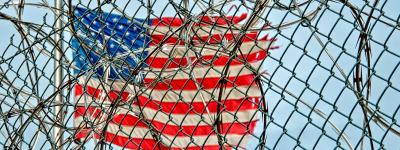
<point>109,37</point>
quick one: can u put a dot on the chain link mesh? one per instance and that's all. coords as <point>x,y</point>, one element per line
<point>334,82</point>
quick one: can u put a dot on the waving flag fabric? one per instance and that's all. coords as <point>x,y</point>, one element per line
<point>174,101</point>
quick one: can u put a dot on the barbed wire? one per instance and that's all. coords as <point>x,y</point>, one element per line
<point>336,67</point>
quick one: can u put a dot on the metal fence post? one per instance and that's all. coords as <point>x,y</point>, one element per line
<point>58,76</point>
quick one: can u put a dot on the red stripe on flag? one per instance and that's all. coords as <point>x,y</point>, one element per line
<point>203,83</point>
<point>210,39</point>
<point>131,143</point>
<point>179,107</point>
<point>79,90</point>
<point>126,119</point>
<point>82,133</point>
<point>166,63</point>
<point>227,128</point>
<point>87,111</point>
<point>94,92</point>
<point>206,20</point>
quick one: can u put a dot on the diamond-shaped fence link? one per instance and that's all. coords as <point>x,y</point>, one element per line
<point>330,78</point>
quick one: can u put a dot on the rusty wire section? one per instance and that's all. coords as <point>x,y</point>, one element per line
<point>334,82</point>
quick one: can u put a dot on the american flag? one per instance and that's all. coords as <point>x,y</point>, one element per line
<point>173,99</point>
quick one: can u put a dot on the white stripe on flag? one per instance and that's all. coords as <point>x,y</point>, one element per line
<point>174,95</point>
<point>177,141</point>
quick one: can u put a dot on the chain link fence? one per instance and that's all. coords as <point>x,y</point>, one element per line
<point>333,83</point>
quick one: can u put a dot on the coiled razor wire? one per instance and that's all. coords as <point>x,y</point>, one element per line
<point>334,82</point>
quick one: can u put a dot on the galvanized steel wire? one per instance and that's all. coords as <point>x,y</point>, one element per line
<point>333,83</point>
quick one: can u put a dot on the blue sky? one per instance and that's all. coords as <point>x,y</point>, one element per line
<point>310,77</point>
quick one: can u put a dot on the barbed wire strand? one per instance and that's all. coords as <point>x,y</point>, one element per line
<point>31,48</point>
